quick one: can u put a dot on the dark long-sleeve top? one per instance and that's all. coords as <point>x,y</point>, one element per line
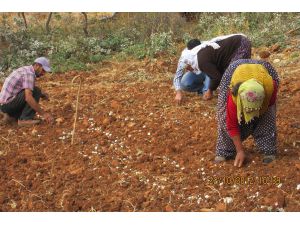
<point>214,62</point>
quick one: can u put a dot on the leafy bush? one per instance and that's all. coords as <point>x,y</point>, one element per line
<point>115,42</point>
<point>138,51</point>
<point>96,58</point>
<point>137,35</point>
<point>262,28</point>
<point>161,43</point>
<point>64,65</point>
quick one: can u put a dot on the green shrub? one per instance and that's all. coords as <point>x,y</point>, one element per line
<point>264,29</point>
<point>138,51</point>
<point>136,35</point>
<point>64,65</point>
<point>115,42</point>
<point>161,43</point>
<point>96,58</point>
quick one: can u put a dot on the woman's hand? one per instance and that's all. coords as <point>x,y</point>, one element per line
<point>239,158</point>
<point>240,154</point>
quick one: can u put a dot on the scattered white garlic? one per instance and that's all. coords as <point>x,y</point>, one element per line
<point>228,200</point>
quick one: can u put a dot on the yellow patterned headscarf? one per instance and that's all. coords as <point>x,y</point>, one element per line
<point>250,98</point>
<point>258,72</point>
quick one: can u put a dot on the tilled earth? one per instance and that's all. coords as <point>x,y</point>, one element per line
<point>135,150</point>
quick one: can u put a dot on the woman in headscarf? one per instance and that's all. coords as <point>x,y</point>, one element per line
<point>246,106</point>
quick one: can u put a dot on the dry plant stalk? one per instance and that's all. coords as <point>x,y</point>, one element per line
<point>77,102</point>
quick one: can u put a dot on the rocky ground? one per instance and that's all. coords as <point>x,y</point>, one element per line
<point>135,150</point>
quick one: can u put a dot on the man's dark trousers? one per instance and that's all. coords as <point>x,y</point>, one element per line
<point>19,108</point>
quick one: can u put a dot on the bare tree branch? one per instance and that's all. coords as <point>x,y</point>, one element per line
<point>48,23</point>
<point>22,14</point>
<point>85,24</point>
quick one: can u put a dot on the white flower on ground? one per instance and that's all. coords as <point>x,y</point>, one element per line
<point>228,200</point>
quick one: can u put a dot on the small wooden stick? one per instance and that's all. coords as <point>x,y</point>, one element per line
<point>77,102</point>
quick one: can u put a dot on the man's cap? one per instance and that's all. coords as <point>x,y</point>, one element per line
<point>44,62</point>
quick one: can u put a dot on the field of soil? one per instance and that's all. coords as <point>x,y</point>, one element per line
<point>135,150</point>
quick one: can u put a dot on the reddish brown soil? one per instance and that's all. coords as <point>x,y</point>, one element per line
<point>135,150</point>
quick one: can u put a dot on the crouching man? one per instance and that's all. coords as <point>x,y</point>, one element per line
<point>19,97</point>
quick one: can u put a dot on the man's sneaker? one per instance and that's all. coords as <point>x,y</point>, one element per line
<point>24,123</point>
<point>268,158</point>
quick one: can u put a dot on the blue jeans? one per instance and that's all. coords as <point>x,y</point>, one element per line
<point>195,82</point>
